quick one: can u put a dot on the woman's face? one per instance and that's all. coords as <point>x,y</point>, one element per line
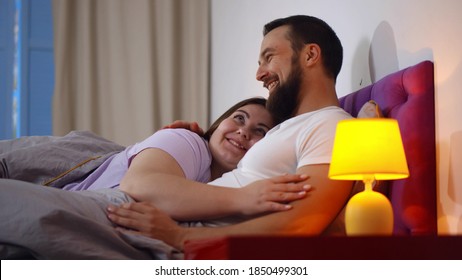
<point>237,133</point>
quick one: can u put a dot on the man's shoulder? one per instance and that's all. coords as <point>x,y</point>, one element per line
<point>324,115</point>
<point>333,112</point>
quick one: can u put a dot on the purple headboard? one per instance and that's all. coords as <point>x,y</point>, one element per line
<point>408,96</point>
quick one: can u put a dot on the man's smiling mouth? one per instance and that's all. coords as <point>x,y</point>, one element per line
<point>270,86</point>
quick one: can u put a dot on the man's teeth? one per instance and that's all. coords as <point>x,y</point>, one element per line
<point>272,85</point>
<point>236,144</point>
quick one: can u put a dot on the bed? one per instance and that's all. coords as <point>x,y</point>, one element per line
<point>407,96</point>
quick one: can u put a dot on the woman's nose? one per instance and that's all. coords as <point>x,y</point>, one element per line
<point>243,132</point>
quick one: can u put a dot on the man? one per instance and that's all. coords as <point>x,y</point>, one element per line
<point>299,61</point>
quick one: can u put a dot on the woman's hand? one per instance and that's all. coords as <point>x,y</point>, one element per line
<point>192,126</point>
<point>271,195</point>
<point>144,218</point>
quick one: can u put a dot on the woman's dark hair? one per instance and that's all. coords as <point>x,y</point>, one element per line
<point>308,29</point>
<point>254,100</point>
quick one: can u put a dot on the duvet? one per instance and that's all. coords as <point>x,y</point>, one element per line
<point>37,222</point>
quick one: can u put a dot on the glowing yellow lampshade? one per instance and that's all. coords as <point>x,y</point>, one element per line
<point>368,150</point>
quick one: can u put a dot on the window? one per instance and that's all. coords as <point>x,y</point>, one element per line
<point>26,67</point>
<point>16,98</point>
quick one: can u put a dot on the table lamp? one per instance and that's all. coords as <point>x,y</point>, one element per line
<point>368,150</point>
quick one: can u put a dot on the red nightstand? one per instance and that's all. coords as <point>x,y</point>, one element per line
<point>326,248</point>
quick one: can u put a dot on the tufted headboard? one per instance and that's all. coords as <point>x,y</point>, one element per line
<point>408,96</point>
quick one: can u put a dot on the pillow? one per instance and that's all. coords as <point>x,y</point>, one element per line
<point>370,110</point>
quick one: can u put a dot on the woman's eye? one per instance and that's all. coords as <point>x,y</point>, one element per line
<point>239,118</point>
<point>261,132</point>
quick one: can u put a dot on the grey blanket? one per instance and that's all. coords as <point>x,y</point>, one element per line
<point>54,161</point>
<point>49,223</point>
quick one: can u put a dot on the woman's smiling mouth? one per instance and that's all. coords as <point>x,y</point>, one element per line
<point>236,144</point>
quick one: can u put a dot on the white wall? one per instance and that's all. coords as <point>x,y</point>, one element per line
<point>379,37</point>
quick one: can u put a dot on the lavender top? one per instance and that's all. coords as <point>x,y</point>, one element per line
<point>187,148</point>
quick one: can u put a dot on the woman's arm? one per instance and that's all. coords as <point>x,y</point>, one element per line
<point>308,217</point>
<point>155,176</point>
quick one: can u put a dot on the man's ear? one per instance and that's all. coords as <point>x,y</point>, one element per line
<point>311,54</point>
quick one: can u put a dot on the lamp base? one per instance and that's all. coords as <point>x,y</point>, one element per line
<point>369,213</point>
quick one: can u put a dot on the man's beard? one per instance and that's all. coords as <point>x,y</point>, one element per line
<point>283,102</point>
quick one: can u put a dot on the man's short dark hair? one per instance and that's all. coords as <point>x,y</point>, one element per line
<point>309,29</point>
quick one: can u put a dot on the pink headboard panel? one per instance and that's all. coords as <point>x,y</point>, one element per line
<point>408,96</point>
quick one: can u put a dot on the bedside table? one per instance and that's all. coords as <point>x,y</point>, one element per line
<point>326,248</point>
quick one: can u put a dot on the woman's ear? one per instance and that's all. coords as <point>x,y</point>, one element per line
<point>311,54</point>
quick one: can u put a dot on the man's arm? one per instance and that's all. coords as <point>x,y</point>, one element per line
<point>192,126</point>
<point>309,216</point>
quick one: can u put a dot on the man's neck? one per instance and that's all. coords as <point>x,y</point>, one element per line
<point>324,95</point>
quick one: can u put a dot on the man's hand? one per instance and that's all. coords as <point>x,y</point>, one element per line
<point>271,195</point>
<point>192,126</point>
<point>144,218</point>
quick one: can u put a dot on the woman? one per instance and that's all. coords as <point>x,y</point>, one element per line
<point>186,154</point>
<point>65,162</point>
<point>153,170</point>
<point>56,224</point>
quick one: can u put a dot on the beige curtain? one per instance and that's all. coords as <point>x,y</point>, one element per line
<point>126,68</point>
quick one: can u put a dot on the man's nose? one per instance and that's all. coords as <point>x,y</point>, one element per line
<point>261,73</point>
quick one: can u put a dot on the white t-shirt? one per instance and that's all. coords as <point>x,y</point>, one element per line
<point>302,140</point>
